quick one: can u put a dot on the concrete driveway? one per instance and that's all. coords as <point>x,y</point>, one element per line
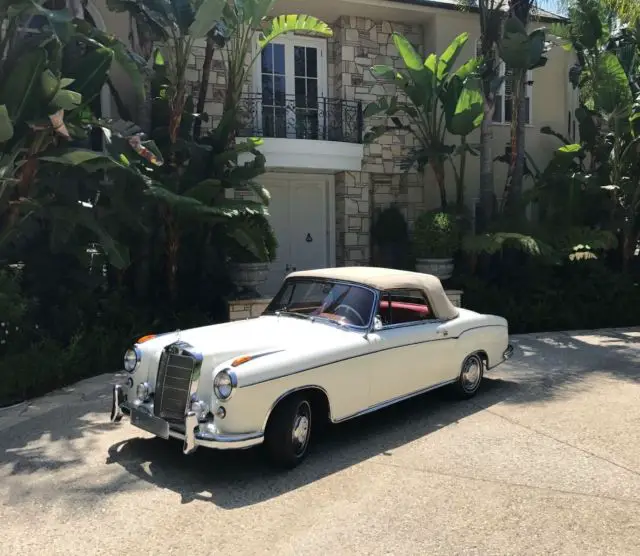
<point>545,460</point>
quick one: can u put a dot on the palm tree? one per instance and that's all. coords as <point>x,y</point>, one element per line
<point>491,13</point>
<point>628,11</point>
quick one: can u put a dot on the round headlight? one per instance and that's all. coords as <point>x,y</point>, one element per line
<point>131,359</point>
<point>223,385</point>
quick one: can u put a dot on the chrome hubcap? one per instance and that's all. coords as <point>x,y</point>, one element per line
<point>471,374</point>
<point>301,422</point>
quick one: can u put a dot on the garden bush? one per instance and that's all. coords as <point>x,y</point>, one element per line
<point>535,297</point>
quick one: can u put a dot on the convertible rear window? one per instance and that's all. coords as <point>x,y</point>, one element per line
<point>340,302</point>
<point>404,307</point>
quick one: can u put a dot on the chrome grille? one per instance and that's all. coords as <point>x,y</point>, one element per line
<point>173,385</point>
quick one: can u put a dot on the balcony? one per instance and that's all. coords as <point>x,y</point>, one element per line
<point>302,117</point>
<point>318,135</point>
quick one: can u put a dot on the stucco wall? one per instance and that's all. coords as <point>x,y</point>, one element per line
<point>549,104</point>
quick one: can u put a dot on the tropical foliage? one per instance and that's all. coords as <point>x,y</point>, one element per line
<point>113,228</point>
<point>433,101</point>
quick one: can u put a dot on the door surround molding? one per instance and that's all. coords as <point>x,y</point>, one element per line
<point>328,181</point>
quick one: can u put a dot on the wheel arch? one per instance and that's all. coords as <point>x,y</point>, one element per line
<point>318,397</point>
<point>483,355</point>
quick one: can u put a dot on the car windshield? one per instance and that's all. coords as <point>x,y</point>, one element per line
<point>342,303</point>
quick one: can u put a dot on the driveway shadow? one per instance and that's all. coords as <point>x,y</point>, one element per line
<point>233,479</point>
<point>556,365</point>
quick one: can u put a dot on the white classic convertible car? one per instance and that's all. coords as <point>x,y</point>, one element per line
<point>332,345</point>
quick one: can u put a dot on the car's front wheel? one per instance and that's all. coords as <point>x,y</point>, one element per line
<point>470,377</point>
<point>289,431</point>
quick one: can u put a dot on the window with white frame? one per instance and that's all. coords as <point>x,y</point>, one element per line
<point>504,97</point>
<point>291,83</point>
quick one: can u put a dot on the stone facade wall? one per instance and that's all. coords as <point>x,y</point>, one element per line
<point>214,101</point>
<point>358,44</point>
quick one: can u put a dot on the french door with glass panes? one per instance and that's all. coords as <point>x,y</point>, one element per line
<point>292,89</point>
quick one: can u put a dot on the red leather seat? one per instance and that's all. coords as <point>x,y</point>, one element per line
<point>404,312</point>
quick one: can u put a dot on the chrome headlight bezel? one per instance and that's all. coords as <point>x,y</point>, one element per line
<point>131,359</point>
<point>224,383</point>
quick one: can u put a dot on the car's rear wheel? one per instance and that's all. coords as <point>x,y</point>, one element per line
<point>470,377</point>
<point>289,431</point>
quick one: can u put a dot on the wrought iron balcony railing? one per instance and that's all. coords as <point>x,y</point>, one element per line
<point>302,117</point>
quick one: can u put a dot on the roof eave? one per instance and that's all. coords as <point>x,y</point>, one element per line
<point>452,7</point>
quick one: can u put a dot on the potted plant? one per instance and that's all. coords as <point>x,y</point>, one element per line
<point>436,238</point>
<point>390,239</point>
<point>253,252</point>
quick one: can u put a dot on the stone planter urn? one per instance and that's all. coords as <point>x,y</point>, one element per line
<point>248,277</point>
<point>440,268</point>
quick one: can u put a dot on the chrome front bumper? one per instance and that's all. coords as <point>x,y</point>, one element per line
<point>193,435</point>
<point>508,352</point>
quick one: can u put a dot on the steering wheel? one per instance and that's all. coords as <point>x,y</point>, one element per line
<point>352,310</point>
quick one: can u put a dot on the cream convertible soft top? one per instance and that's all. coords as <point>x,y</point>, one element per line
<point>389,279</point>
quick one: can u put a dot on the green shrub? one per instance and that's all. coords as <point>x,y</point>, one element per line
<point>390,238</point>
<point>537,297</point>
<point>254,230</point>
<point>436,235</point>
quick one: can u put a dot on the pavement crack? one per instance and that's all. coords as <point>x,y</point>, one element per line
<point>559,440</point>
<point>449,475</point>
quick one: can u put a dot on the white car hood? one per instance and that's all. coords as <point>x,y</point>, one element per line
<point>220,342</point>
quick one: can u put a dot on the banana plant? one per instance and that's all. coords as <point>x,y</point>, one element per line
<point>433,101</point>
<point>200,170</point>
<point>46,90</point>
<point>252,29</point>
<point>608,76</point>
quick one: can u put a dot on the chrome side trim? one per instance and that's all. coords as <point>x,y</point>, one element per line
<point>411,324</point>
<point>393,401</point>
<point>293,391</point>
<point>367,354</point>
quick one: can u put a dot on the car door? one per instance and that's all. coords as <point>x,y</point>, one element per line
<point>413,349</point>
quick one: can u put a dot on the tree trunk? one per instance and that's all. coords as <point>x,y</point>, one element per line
<point>513,188</point>
<point>172,248</point>
<point>487,191</point>
<point>204,85</point>
<point>461,176</point>
<point>438,169</point>
<point>518,171</point>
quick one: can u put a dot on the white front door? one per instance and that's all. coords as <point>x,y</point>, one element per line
<point>299,214</point>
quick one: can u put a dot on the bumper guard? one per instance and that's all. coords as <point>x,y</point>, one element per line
<point>508,353</point>
<point>193,435</point>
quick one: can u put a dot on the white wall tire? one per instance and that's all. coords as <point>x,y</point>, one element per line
<point>470,377</point>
